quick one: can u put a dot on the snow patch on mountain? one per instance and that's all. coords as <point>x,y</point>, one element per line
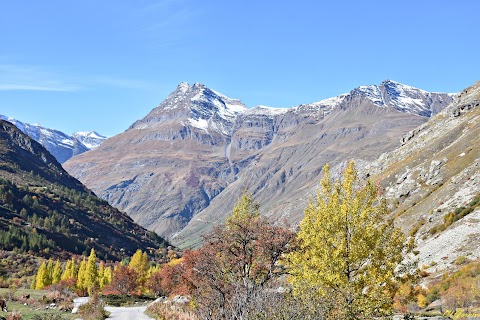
<point>90,139</point>
<point>373,93</point>
<point>266,111</point>
<point>199,123</point>
<point>209,102</point>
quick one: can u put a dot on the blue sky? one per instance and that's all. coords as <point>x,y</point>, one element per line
<point>101,65</point>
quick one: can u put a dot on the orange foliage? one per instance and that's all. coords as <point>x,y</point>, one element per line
<point>124,281</point>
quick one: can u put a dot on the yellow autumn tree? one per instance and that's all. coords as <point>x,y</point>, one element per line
<point>139,263</point>
<point>91,273</point>
<point>50,267</point>
<point>101,271</point>
<point>348,250</point>
<point>41,280</point>
<point>106,277</point>
<point>244,208</point>
<point>57,272</point>
<point>81,275</point>
<point>422,300</point>
<point>70,270</point>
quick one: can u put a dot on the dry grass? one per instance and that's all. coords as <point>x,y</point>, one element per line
<point>171,311</point>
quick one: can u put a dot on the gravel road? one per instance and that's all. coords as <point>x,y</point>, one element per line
<point>127,313</point>
<point>119,313</point>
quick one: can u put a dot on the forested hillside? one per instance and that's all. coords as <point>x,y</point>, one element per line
<point>46,212</point>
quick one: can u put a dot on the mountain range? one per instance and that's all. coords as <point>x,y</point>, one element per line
<point>61,145</point>
<point>179,170</point>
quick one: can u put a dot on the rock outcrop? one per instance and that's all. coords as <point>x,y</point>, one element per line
<point>436,172</point>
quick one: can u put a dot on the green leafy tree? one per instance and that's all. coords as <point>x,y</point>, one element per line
<point>348,250</point>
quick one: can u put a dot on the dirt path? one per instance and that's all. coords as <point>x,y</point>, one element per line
<point>119,313</point>
<point>127,313</point>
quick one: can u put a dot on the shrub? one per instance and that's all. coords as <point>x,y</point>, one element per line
<point>118,300</point>
<point>14,315</point>
<point>475,201</point>
<point>460,260</point>
<point>456,215</point>
<point>416,227</point>
<point>171,311</point>
<point>423,273</point>
<point>11,293</point>
<point>124,281</point>
<point>93,310</point>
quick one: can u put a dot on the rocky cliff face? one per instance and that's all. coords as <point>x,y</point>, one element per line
<point>433,179</point>
<point>59,144</point>
<point>179,170</point>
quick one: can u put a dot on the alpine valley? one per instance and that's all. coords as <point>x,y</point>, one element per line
<point>180,169</point>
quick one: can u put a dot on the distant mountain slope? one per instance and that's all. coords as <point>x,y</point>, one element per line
<point>59,144</point>
<point>170,164</point>
<point>433,180</point>
<point>179,170</point>
<point>89,139</point>
<point>47,212</point>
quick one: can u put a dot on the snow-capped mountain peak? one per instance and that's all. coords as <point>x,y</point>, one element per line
<point>196,106</point>
<point>183,87</point>
<point>61,145</point>
<point>210,101</point>
<point>200,107</point>
<point>90,139</point>
<point>210,109</point>
<point>404,98</point>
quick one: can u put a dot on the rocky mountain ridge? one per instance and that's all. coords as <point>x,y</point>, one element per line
<point>433,180</point>
<point>61,145</point>
<point>179,170</point>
